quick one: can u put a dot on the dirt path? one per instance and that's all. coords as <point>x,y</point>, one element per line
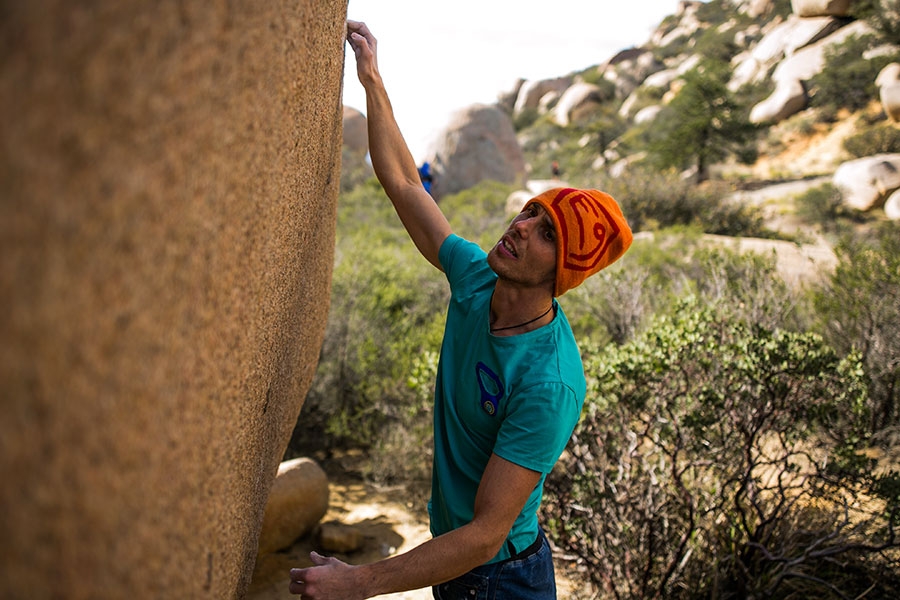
<point>388,522</point>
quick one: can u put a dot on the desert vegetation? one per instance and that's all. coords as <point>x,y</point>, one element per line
<point>736,439</point>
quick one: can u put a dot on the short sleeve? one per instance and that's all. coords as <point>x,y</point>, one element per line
<point>538,424</point>
<point>465,265</point>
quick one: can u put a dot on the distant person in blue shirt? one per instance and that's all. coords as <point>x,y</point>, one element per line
<point>510,383</point>
<point>425,176</point>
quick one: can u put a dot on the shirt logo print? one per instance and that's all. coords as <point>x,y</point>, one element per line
<point>491,388</point>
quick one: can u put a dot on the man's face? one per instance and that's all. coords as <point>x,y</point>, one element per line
<point>526,253</point>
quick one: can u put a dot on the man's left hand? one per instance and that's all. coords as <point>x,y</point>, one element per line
<point>328,579</point>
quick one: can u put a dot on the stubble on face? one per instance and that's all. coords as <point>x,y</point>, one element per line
<point>526,253</point>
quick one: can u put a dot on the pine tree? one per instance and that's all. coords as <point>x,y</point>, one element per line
<point>704,123</point>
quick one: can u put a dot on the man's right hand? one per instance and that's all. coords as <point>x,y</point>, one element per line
<point>364,47</point>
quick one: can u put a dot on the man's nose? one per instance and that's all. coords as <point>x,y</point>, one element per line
<point>523,226</point>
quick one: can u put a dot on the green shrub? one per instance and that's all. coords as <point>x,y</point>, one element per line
<point>717,458</point>
<point>525,118</point>
<point>656,200</point>
<point>859,310</point>
<point>884,138</point>
<point>616,304</point>
<point>782,8</point>
<point>882,15</point>
<point>715,12</point>
<point>743,286</point>
<point>824,206</point>
<point>594,76</point>
<point>716,43</point>
<point>680,45</point>
<point>848,78</point>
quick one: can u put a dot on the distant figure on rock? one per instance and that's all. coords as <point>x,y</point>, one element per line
<point>554,169</point>
<point>425,176</point>
<point>510,383</point>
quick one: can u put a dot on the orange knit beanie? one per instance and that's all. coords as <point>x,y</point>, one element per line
<point>591,233</point>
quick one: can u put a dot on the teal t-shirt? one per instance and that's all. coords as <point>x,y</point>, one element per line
<point>518,396</point>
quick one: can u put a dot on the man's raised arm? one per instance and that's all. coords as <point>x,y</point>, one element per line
<point>393,163</point>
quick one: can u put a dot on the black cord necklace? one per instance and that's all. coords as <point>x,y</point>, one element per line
<point>493,330</point>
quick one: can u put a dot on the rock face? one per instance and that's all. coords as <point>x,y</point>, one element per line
<point>866,182</point>
<point>892,206</point>
<point>802,65</point>
<point>788,98</point>
<point>297,502</point>
<point>820,8</point>
<point>169,185</point>
<point>530,93</point>
<point>888,82</point>
<point>478,144</point>
<point>577,103</point>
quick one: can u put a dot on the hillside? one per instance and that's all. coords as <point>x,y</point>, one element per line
<point>736,91</point>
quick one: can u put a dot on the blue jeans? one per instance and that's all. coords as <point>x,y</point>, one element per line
<point>528,577</point>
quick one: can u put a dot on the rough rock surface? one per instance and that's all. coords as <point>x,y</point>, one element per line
<point>478,144</point>
<point>169,183</point>
<point>297,502</point>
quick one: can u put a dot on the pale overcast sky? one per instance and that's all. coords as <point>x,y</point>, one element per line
<point>439,57</point>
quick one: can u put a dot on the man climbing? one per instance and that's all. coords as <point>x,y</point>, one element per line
<point>510,382</point>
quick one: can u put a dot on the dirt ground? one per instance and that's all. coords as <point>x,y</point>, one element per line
<point>389,523</point>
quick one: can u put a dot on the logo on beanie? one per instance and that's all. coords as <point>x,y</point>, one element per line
<point>588,229</point>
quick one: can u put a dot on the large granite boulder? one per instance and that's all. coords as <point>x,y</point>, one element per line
<point>667,81</point>
<point>799,67</point>
<point>821,8</point>
<point>757,8</point>
<point>865,183</point>
<point>892,206</point>
<point>297,502</point>
<point>629,68</point>
<point>478,144</point>
<point>783,40</point>
<point>355,131</point>
<point>686,24</point>
<point>531,92</point>
<point>169,181</point>
<point>888,82</point>
<point>578,103</point>
<point>807,62</point>
<point>788,98</point>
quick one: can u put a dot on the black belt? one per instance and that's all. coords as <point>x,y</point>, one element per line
<point>532,549</point>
